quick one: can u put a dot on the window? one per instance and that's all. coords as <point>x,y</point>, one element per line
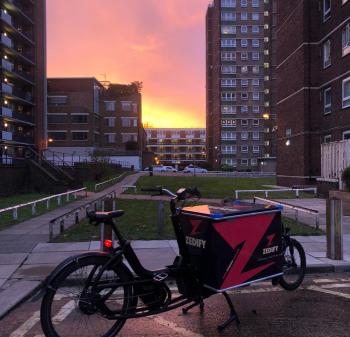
<point>255,3</point>
<point>228,30</point>
<point>244,148</point>
<point>244,162</point>
<point>256,108</point>
<point>288,132</point>
<point>256,69</point>
<point>229,149</point>
<point>244,43</point>
<point>244,135</point>
<point>266,65</point>
<point>327,54</point>
<point>244,82</point>
<point>255,29</point>
<point>228,16</point>
<point>79,118</point>
<point>244,96</point>
<point>227,135</point>
<point>228,56</point>
<point>255,16</point>
<point>256,96</point>
<point>244,122</point>
<point>256,82</point>
<point>126,105</point>
<point>57,100</point>
<point>229,161</point>
<point>244,16</point>
<point>244,29</point>
<point>244,69</point>
<point>57,135</point>
<point>244,108</point>
<point>228,69</point>
<point>110,121</point>
<point>228,3</point>
<point>128,122</point>
<point>110,137</point>
<point>346,39</point>
<point>129,137</point>
<point>79,135</point>
<point>255,56</point>
<point>327,139</point>
<point>228,109</point>
<point>110,105</point>
<point>327,101</point>
<point>254,162</point>
<point>228,43</point>
<point>228,123</point>
<point>346,92</point>
<point>326,9</point>
<point>255,43</point>
<point>228,83</point>
<point>56,118</point>
<point>228,96</point>
<point>256,135</point>
<point>255,122</point>
<point>244,3</point>
<point>244,56</point>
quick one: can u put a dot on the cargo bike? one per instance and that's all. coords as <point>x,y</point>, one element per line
<point>221,248</point>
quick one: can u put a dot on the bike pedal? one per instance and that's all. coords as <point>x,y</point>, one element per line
<point>160,277</point>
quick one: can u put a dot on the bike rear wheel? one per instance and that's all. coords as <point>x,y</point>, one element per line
<point>294,266</point>
<point>68,308</point>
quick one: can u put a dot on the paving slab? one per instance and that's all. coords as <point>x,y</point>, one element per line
<point>49,257</point>
<point>150,244</point>
<point>7,270</point>
<point>2,281</point>
<point>155,258</point>
<point>14,258</point>
<point>95,245</point>
<point>317,254</point>
<point>15,294</point>
<point>34,272</point>
<point>61,247</point>
<point>310,260</point>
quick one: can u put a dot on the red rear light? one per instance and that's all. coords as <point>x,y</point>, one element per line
<point>108,244</point>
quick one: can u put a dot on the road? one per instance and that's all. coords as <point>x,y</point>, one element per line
<point>320,308</point>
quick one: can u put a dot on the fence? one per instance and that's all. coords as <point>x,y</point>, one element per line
<point>297,209</point>
<point>99,185</point>
<point>34,203</point>
<point>335,157</point>
<point>296,190</point>
<point>239,174</point>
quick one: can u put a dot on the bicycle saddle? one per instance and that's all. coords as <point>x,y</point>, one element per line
<point>103,216</point>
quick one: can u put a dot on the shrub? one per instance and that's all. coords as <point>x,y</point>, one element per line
<point>345,177</point>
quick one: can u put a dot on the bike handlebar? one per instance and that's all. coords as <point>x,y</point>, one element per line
<point>181,194</point>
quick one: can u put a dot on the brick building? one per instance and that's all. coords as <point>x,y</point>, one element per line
<point>240,59</point>
<point>177,146</point>
<point>23,77</point>
<point>313,79</point>
<point>86,117</point>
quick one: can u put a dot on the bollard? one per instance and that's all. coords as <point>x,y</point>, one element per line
<point>67,197</point>
<point>15,213</point>
<point>61,226</point>
<point>160,217</point>
<point>106,230</point>
<point>76,217</point>
<point>33,208</point>
<point>334,229</point>
<point>297,193</point>
<point>59,200</point>
<point>48,204</point>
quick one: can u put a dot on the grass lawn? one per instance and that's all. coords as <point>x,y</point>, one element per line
<point>90,185</point>
<point>6,219</point>
<point>216,187</point>
<point>139,223</point>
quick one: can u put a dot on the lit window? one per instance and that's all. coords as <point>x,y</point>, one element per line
<point>346,39</point>
<point>266,65</point>
<point>228,56</point>
<point>256,82</point>
<point>244,3</point>
<point>326,9</point>
<point>254,161</point>
<point>228,3</point>
<point>327,54</point>
<point>288,132</point>
<point>327,101</point>
<point>244,43</point>
<point>256,69</point>
<point>228,109</point>
<point>244,16</point>
<point>228,82</point>
<point>228,42</point>
<point>256,96</point>
<point>255,16</point>
<point>256,135</point>
<point>266,52</point>
<point>244,108</point>
<point>255,3</point>
<point>255,29</point>
<point>226,69</point>
<point>255,43</point>
<point>244,69</point>
<point>244,135</point>
<point>346,92</point>
<point>228,30</point>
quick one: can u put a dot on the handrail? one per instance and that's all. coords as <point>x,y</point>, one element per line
<point>296,208</point>
<point>47,199</point>
<point>108,181</point>
<point>296,190</point>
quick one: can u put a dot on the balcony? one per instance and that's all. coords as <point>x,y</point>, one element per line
<point>6,160</point>
<point>6,88</point>
<point>6,17</point>
<point>7,65</point>
<point>6,40</point>
<point>23,139</point>
<point>23,117</point>
<point>7,112</point>
<point>6,135</point>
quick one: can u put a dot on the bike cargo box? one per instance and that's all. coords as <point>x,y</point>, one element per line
<point>235,244</point>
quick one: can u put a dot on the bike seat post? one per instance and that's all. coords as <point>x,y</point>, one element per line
<point>117,233</point>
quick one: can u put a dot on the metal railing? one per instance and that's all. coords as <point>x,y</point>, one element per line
<point>296,190</point>
<point>33,204</point>
<point>99,185</point>
<point>297,209</point>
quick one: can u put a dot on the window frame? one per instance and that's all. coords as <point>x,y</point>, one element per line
<point>326,46</point>
<point>345,105</point>
<point>327,108</point>
<point>326,13</point>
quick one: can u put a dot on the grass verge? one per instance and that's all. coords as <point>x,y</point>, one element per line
<point>140,223</point>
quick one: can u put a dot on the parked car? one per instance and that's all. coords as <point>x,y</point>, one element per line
<point>194,169</point>
<point>169,169</point>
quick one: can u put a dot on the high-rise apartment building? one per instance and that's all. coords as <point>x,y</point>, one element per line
<point>313,75</point>
<point>23,77</point>
<point>240,57</point>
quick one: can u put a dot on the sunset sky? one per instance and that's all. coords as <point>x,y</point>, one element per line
<point>158,42</point>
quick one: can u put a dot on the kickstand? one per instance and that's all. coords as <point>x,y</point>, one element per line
<point>233,314</point>
<point>195,303</point>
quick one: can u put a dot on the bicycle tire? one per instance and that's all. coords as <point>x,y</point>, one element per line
<point>298,269</point>
<point>63,286</point>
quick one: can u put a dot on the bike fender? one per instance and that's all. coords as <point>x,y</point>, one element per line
<point>67,261</point>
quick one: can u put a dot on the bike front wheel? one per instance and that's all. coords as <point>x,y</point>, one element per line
<point>294,266</point>
<point>70,307</point>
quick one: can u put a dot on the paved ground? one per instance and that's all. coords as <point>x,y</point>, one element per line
<point>319,308</point>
